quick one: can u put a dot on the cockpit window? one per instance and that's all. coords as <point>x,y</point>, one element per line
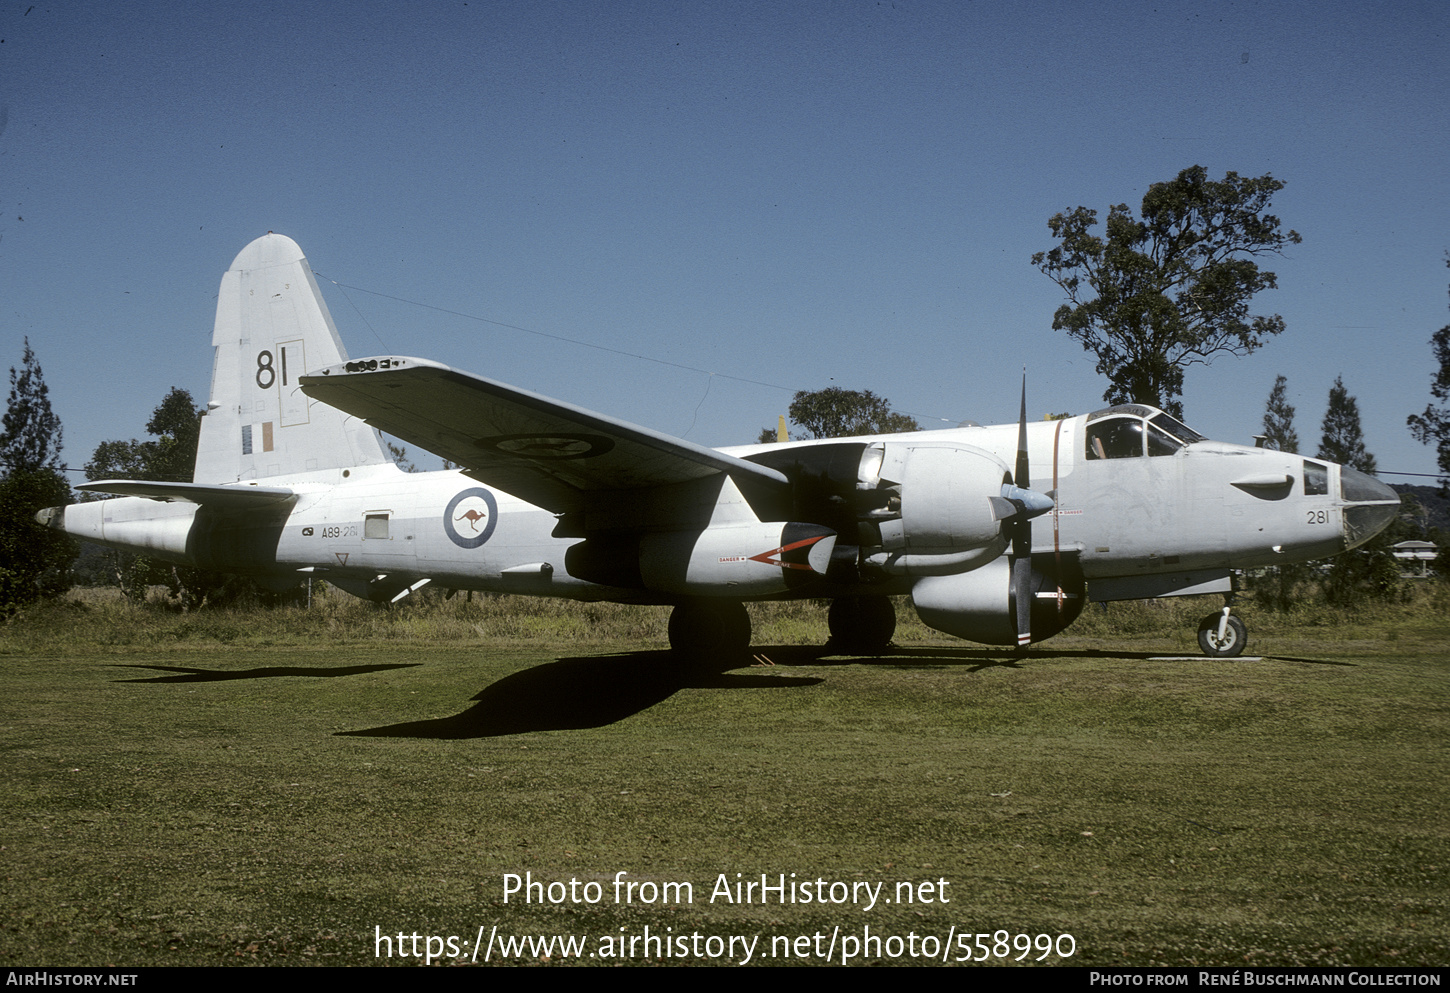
<point>1177,428</point>
<point>1134,409</point>
<point>1115,438</point>
<point>1166,423</point>
<point>1160,443</point>
<point>1316,478</point>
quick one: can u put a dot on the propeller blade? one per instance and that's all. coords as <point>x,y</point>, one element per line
<point>1019,476</point>
<point>1022,530</point>
<point>1022,594</point>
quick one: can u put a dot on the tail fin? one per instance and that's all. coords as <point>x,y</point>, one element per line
<point>271,327</point>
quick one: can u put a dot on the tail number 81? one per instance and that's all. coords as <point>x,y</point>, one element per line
<point>267,372</point>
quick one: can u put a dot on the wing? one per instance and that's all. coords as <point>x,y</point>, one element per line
<point>216,496</point>
<point>552,454</point>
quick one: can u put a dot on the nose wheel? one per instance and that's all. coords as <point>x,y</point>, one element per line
<point>1222,635</point>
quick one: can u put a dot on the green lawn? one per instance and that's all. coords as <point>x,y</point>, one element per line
<point>182,796</point>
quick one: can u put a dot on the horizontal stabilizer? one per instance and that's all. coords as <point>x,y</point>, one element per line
<point>550,453</point>
<point>218,497</point>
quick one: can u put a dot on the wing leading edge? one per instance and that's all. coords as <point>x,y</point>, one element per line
<point>552,454</point>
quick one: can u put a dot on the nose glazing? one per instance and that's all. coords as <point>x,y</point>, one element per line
<point>1369,505</point>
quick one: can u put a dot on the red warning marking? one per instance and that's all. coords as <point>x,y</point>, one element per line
<point>765,557</point>
<point>341,557</point>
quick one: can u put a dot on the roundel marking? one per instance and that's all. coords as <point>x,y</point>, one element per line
<point>470,517</point>
<point>548,447</point>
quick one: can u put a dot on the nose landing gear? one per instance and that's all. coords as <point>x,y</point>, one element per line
<point>1222,635</point>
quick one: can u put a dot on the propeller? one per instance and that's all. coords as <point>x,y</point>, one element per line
<point>1022,529</point>
<point>1017,506</point>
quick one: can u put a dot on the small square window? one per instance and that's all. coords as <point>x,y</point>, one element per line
<point>375,526</point>
<point>1316,479</point>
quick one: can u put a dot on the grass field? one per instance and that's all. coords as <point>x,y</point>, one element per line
<point>281,788</point>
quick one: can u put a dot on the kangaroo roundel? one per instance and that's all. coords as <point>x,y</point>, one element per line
<point>470,517</point>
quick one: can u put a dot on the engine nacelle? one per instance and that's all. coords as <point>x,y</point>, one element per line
<point>916,507</point>
<point>163,530</point>
<point>978,605</point>
<point>734,560</point>
<point>948,517</point>
<point>946,497</point>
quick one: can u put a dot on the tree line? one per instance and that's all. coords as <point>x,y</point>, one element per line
<point>34,560</point>
<point>1369,570</point>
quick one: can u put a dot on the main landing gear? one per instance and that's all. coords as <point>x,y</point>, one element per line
<point>721,628</point>
<point>1222,635</point>
<point>861,625</point>
<point>711,628</point>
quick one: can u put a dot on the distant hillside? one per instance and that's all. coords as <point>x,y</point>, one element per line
<point>1437,507</point>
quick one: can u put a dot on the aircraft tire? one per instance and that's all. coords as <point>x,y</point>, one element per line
<point>861,624</point>
<point>1235,637</point>
<point>710,628</point>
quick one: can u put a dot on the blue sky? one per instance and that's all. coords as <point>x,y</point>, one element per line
<point>795,194</point>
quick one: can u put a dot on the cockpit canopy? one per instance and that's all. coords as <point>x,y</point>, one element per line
<point>1130,431</point>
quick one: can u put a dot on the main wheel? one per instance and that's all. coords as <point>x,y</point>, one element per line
<point>1231,645</point>
<point>861,624</point>
<point>713,628</point>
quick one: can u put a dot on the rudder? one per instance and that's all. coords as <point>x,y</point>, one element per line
<point>272,325</point>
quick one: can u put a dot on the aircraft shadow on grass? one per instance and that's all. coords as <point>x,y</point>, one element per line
<point>582,692</point>
<point>594,691</point>
<point>191,674</point>
<point>597,690</point>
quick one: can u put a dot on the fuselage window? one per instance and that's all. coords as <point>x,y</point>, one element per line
<point>1115,438</point>
<point>1316,479</point>
<point>375,526</point>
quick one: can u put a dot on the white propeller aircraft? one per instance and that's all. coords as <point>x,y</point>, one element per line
<point>292,481</point>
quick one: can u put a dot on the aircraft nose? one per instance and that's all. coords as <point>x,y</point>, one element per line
<point>1369,505</point>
